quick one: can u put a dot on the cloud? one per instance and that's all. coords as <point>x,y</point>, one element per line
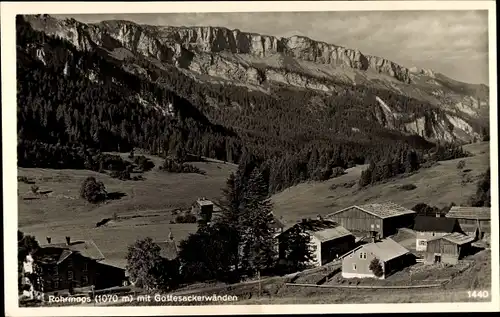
<point>452,42</point>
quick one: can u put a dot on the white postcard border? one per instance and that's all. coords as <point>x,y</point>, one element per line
<point>8,54</point>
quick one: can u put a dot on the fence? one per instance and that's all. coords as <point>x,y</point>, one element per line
<point>366,286</point>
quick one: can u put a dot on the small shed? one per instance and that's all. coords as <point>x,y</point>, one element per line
<point>474,221</point>
<point>328,240</point>
<point>382,218</point>
<point>448,249</point>
<point>427,227</point>
<point>391,255</point>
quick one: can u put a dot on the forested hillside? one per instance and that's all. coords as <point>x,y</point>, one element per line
<point>83,100</point>
<point>70,101</point>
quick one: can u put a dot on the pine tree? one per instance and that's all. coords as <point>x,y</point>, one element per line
<point>296,249</point>
<point>258,242</point>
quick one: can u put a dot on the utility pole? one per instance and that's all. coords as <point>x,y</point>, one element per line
<point>260,285</point>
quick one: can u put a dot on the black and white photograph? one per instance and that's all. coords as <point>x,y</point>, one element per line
<point>209,156</point>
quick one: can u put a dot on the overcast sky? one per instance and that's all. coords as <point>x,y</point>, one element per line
<point>454,43</point>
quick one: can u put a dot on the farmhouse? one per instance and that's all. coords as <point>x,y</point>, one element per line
<point>391,256</point>
<point>382,218</point>
<point>204,208</point>
<point>70,265</point>
<point>427,227</point>
<point>448,249</point>
<point>328,240</point>
<point>474,221</point>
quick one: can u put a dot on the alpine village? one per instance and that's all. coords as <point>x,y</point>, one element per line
<point>203,160</point>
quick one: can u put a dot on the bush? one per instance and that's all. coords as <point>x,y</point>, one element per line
<point>376,267</point>
<point>407,187</point>
<point>25,180</point>
<point>349,184</point>
<point>144,163</point>
<point>121,175</point>
<point>461,164</point>
<point>176,166</point>
<point>187,218</point>
<point>337,171</point>
<point>92,190</point>
<point>34,189</point>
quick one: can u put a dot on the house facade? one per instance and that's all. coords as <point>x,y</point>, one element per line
<point>448,249</point>
<point>204,208</point>
<point>474,221</point>
<point>428,227</point>
<point>391,256</point>
<point>65,267</point>
<point>382,218</point>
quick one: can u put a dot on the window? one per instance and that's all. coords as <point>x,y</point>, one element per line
<point>70,263</point>
<point>56,270</point>
<point>85,280</point>
<point>70,275</point>
<point>56,284</point>
<point>85,266</point>
<point>362,255</point>
<point>354,267</point>
<point>422,242</point>
<point>433,234</point>
<point>378,226</point>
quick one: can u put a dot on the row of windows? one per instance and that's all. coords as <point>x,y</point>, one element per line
<point>70,264</point>
<point>85,281</point>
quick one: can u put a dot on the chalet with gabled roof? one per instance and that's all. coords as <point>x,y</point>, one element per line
<point>382,218</point>
<point>391,255</point>
<point>474,221</point>
<point>70,265</point>
<point>448,249</point>
<point>328,240</point>
<point>428,227</point>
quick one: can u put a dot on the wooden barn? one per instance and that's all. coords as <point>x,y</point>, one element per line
<point>474,221</point>
<point>448,249</point>
<point>391,255</point>
<point>381,218</point>
<point>328,240</point>
<point>428,228</point>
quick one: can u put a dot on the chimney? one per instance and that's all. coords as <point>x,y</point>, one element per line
<point>68,240</point>
<point>170,236</point>
<point>49,239</point>
<point>438,214</point>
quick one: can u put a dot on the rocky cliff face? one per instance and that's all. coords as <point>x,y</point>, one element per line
<point>171,44</point>
<point>254,59</point>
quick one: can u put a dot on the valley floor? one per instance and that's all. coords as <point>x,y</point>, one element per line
<point>144,210</point>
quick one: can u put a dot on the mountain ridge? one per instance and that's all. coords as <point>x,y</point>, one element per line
<point>257,61</point>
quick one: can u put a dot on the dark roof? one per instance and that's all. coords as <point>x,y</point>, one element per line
<point>480,213</point>
<point>381,210</point>
<point>456,238</point>
<point>168,250</point>
<point>323,229</point>
<point>434,224</point>
<point>58,252</point>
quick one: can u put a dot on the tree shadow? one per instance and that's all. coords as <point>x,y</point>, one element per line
<point>115,195</point>
<point>45,192</point>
